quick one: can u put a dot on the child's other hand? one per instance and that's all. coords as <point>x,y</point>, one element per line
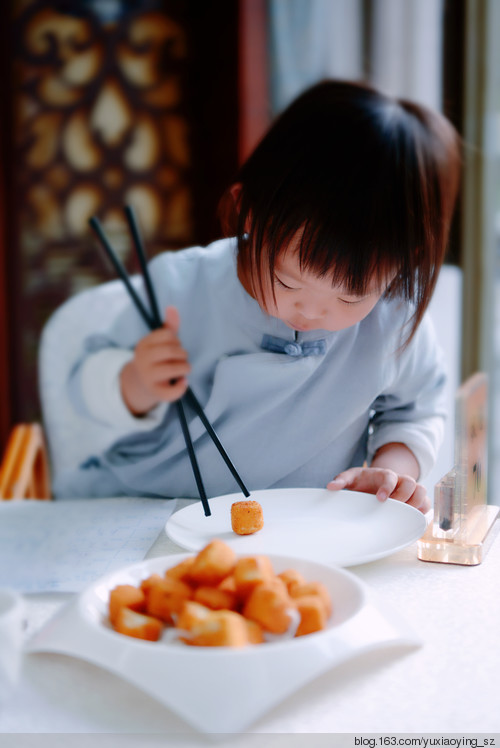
<point>158,371</point>
<point>385,484</point>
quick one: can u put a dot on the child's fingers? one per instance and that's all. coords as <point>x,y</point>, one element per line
<point>336,484</point>
<point>405,488</point>
<point>172,323</point>
<point>412,493</point>
<point>378,481</point>
<point>383,483</point>
<point>172,319</point>
<point>173,390</point>
<point>420,500</point>
<point>389,481</point>
<point>166,372</point>
<point>155,355</point>
<point>344,479</point>
<point>161,361</point>
<point>159,337</point>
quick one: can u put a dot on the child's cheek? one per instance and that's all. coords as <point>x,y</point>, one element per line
<point>276,305</point>
<point>284,307</point>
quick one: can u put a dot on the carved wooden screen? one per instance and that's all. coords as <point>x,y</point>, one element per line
<point>114,102</point>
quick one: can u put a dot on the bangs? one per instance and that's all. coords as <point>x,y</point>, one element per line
<point>355,224</point>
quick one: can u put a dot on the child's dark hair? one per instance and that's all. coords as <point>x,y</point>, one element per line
<point>370,180</point>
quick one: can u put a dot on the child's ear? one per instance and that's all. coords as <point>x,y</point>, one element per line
<point>235,191</point>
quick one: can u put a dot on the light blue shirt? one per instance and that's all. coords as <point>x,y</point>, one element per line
<point>292,413</point>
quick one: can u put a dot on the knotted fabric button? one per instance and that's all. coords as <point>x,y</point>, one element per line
<point>293,349</point>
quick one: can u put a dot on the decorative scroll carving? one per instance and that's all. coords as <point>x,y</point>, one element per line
<point>100,121</point>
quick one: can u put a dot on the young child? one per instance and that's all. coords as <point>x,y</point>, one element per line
<point>303,334</point>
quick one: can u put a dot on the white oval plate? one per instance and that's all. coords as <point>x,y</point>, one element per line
<point>343,528</point>
<point>219,689</point>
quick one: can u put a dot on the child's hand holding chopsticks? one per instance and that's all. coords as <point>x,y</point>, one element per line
<point>158,371</point>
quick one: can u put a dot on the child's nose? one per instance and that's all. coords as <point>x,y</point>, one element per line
<point>311,309</point>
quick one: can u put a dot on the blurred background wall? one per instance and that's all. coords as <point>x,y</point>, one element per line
<point>154,103</point>
<point>107,102</point>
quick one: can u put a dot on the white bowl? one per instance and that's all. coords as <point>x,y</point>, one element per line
<point>220,689</point>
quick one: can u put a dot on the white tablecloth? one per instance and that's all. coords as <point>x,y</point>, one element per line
<point>450,684</point>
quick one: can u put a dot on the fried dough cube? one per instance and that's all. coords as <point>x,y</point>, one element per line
<point>125,596</point>
<point>167,598</point>
<point>278,585</point>
<point>181,570</point>
<point>215,598</point>
<point>313,588</point>
<point>149,582</point>
<point>312,614</point>
<point>254,631</point>
<point>221,628</point>
<point>138,625</point>
<point>213,563</point>
<point>251,571</point>
<point>192,614</point>
<point>246,517</point>
<point>228,583</point>
<point>270,607</point>
<point>291,576</point>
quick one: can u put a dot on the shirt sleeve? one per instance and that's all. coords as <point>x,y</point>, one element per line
<point>94,380</point>
<point>412,410</point>
<point>97,392</point>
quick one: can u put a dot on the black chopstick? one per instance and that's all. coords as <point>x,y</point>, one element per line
<point>192,456</point>
<point>120,269</point>
<point>191,397</point>
<point>141,254</point>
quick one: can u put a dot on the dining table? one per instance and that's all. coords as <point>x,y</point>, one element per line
<point>447,683</point>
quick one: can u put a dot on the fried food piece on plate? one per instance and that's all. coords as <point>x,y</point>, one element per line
<point>221,628</point>
<point>255,632</point>
<point>200,622</point>
<point>291,576</point>
<point>228,583</point>
<point>213,563</point>
<point>138,625</point>
<point>191,614</point>
<point>247,517</point>
<point>216,598</point>
<point>181,571</point>
<point>166,598</point>
<point>149,582</point>
<point>271,607</point>
<point>312,614</point>
<point>312,588</point>
<point>125,596</point>
<point>251,571</point>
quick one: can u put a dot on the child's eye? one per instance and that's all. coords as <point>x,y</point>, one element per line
<point>358,301</point>
<point>283,285</point>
